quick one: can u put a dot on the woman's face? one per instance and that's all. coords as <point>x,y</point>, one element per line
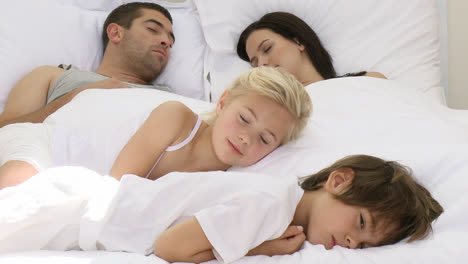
<point>267,48</point>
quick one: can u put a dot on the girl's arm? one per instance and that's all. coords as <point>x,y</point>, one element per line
<point>162,127</point>
<point>376,75</point>
<point>184,242</point>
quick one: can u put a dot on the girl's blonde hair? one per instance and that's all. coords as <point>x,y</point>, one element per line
<point>278,85</point>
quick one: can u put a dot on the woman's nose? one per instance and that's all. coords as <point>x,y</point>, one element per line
<point>263,61</point>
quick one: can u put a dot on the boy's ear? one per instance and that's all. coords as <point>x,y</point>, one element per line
<point>339,181</point>
<point>222,101</point>
<point>114,33</point>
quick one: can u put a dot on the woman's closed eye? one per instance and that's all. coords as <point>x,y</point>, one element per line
<point>264,140</point>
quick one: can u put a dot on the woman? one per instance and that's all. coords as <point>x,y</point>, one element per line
<point>283,39</point>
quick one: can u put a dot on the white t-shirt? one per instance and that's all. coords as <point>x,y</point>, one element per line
<point>237,211</point>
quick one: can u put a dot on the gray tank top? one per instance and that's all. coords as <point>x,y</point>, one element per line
<point>74,78</point>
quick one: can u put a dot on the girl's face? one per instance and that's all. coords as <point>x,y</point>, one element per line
<point>249,127</point>
<point>267,48</point>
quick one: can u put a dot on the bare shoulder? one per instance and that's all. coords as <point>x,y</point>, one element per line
<point>376,75</point>
<point>46,72</point>
<point>49,70</point>
<point>174,116</point>
<point>175,113</point>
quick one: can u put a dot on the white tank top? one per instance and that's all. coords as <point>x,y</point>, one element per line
<point>178,146</point>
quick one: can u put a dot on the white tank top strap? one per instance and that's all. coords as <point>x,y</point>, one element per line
<point>180,145</point>
<point>188,139</point>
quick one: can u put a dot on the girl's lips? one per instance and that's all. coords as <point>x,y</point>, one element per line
<point>234,148</point>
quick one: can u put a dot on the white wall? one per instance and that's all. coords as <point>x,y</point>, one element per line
<point>457,28</point>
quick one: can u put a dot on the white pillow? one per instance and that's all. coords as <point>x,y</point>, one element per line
<point>364,114</point>
<point>397,38</point>
<point>52,32</point>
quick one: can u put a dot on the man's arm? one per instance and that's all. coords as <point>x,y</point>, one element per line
<point>29,95</point>
<point>184,242</point>
<point>38,109</point>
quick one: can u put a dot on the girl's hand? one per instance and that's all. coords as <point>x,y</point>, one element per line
<point>289,242</point>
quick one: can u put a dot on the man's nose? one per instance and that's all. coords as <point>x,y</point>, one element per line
<point>165,41</point>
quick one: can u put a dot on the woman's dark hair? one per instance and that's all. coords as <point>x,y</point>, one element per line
<point>295,29</point>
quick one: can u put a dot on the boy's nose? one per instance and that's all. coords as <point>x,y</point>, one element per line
<point>351,243</point>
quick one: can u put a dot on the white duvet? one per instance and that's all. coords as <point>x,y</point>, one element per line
<point>351,115</point>
<point>74,208</point>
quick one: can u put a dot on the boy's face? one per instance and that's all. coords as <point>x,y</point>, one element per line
<point>343,225</point>
<point>333,223</point>
<point>249,127</point>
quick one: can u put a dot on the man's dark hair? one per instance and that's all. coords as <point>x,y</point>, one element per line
<point>126,13</point>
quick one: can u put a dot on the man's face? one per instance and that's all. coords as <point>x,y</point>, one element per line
<point>145,46</point>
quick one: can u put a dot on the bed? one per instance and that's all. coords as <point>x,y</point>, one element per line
<point>404,118</point>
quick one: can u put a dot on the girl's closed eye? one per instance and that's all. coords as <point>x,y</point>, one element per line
<point>244,119</point>
<point>264,140</point>
<point>362,222</point>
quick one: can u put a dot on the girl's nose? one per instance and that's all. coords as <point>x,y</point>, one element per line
<point>244,138</point>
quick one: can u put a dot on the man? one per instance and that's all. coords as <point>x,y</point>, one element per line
<point>137,38</point>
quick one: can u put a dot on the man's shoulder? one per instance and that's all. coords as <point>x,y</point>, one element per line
<point>51,71</point>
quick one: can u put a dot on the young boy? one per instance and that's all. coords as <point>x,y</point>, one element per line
<point>359,201</point>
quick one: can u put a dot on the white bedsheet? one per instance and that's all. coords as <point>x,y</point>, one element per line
<point>444,173</point>
<point>352,115</point>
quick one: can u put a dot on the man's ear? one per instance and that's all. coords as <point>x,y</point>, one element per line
<point>339,181</point>
<point>114,33</point>
<point>223,100</point>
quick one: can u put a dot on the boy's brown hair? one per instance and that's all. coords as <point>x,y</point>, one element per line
<point>388,190</point>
